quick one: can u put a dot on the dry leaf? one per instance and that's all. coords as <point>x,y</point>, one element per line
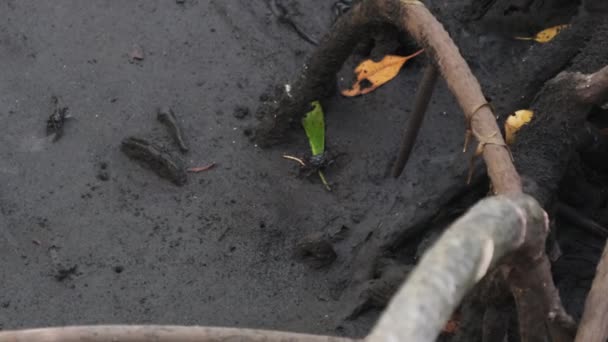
<point>545,35</point>
<point>515,122</point>
<point>376,74</point>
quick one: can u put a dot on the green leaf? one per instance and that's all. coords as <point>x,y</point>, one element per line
<point>314,125</point>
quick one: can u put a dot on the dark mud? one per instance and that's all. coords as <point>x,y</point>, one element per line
<point>222,249</point>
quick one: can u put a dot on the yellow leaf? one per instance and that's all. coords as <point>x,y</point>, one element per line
<point>377,73</point>
<point>545,35</point>
<point>516,121</point>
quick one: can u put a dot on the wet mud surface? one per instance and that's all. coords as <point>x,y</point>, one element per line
<point>88,236</point>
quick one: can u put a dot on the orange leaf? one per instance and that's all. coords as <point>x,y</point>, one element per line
<point>377,73</point>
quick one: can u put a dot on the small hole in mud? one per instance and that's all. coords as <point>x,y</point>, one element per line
<point>118,269</point>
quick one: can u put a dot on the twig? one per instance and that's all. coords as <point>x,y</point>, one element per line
<point>201,168</point>
<point>296,159</point>
<point>167,117</point>
<point>423,97</point>
<point>594,324</point>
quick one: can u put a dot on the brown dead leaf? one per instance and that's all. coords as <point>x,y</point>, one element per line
<point>376,74</point>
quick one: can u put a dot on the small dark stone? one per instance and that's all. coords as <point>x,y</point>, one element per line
<point>241,112</point>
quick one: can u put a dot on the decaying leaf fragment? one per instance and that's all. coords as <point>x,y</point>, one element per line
<point>516,121</point>
<point>546,35</point>
<point>374,74</point>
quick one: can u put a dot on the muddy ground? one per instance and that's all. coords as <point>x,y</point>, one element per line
<point>77,248</point>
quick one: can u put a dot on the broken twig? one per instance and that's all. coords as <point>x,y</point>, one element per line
<point>423,97</point>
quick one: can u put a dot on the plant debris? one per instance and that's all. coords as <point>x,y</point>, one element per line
<point>153,157</point>
<point>56,121</point>
<point>545,35</point>
<point>167,117</point>
<point>201,168</point>
<point>371,75</point>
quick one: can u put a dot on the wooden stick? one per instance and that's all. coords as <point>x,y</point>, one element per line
<point>423,97</point>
